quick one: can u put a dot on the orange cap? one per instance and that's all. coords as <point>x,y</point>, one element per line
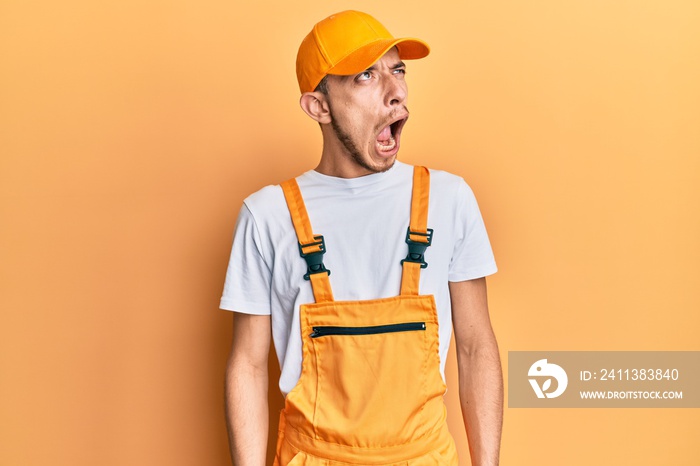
<point>347,43</point>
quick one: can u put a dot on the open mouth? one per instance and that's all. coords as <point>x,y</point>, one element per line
<point>387,139</point>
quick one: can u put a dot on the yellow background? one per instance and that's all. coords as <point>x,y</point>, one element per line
<point>131,131</point>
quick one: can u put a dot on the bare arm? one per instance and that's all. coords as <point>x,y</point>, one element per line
<point>246,390</point>
<point>480,376</point>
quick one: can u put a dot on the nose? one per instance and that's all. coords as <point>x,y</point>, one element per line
<point>395,91</point>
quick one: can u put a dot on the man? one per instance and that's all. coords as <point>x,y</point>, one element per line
<point>362,351</point>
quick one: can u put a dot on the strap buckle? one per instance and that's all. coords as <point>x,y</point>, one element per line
<point>416,249</point>
<point>314,260</point>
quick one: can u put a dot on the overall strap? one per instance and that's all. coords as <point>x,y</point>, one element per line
<point>311,247</point>
<point>418,236</point>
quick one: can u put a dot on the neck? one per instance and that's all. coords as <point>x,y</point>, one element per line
<point>337,161</point>
<point>339,168</point>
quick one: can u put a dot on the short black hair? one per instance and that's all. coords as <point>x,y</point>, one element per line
<point>322,86</point>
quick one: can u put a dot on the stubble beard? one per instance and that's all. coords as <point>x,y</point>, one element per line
<point>352,149</point>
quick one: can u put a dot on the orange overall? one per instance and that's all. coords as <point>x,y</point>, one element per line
<point>370,390</point>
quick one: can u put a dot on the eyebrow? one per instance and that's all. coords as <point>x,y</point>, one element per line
<point>395,67</point>
<point>372,68</point>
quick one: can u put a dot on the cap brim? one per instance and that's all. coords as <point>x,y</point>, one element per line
<point>366,56</point>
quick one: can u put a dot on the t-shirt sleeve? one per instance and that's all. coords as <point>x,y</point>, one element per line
<point>472,256</point>
<point>248,277</point>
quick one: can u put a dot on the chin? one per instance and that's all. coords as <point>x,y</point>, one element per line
<point>384,164</point>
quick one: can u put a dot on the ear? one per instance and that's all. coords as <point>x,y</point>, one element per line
<point>315,104</point>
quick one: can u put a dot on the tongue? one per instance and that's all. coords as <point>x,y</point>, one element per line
<point>385,135</point>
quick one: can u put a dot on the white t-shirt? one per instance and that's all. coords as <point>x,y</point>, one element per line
<point>364,222</point>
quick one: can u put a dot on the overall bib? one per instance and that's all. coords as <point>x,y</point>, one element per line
<point>370,390</point>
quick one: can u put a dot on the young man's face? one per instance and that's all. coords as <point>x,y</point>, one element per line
<point>368,111</point>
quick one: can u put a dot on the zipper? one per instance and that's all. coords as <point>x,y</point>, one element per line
<point>330,330</point>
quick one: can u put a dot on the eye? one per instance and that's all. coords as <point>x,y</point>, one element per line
<point>364,76</point>
<point>400,71</point>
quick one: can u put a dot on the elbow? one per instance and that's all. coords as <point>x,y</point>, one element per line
<point>480,346</point>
